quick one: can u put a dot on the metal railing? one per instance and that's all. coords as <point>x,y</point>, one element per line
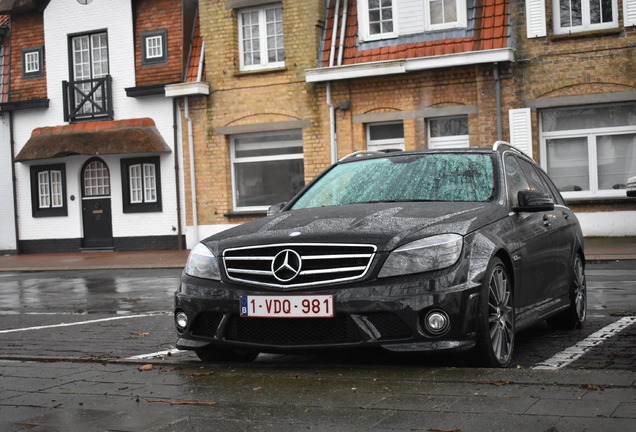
<point>89,99</point>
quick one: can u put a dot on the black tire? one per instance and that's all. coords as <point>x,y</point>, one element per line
<point>496,326</point>
<point>212,355</point>
<point>574,316</point>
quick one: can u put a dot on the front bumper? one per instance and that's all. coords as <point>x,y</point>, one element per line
<point>388,313</point>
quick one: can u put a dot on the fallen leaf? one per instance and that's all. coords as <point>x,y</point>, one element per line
<point>146,367</point>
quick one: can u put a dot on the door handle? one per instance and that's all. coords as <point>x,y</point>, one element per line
<point>546,220</point>
<point>566,215</point>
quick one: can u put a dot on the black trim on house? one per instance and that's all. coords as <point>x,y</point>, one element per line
<point>23,105</point>
<point>149,90</point>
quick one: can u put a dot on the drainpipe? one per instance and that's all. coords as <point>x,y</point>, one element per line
<point>13,179</point>
<point>176,174</point>
<point>332,126</point>
<point>345,10</point>
<point>193,183</point>
<point>498,101</point>
<point>332,110</point>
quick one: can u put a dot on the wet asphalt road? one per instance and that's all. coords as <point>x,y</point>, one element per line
<point>67,342</point>
<point>126,313</point>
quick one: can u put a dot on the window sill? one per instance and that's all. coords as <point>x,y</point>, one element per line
<point>586,34</point>
<point>260,71</point>
<point>598,200</point>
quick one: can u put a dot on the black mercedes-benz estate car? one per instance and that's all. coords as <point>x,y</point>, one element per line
<point>408,251</point>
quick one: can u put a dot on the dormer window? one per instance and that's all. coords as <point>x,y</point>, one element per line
<point>444,14</point>
<point>377,19</point>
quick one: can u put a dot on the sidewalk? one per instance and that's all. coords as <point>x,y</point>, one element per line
<point>596,249</point>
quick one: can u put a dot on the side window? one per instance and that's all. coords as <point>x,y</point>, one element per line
<point>515,179</point>
<point>48,190</point>
<point>532,175</point>
<point>558,199</point>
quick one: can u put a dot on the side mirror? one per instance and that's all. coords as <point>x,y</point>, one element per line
<point>534,201</point>
<point>275,209</point>
<point>631,187</point>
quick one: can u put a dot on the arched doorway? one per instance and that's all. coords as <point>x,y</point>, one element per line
<point>96,209</point>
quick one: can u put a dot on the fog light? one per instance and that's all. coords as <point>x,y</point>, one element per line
<point>181,320</point>
<point>437,322</point>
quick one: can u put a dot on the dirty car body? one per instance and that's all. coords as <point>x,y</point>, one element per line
<point>409,251</point>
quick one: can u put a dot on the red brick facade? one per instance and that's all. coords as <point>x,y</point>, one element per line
<point>27,31</point>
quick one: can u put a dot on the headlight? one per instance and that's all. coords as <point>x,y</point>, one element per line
<point>202,263</point>
<point>432,253</point>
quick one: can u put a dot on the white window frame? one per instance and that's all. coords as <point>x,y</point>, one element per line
<point>262,28</point>
<point>50,194</point>
<point>364,30</point>
<point>590,135</point>
<point>460,22</point>
<point>446,142</point>
<point>154,47</point>
<point>238,160</point>
<point>585,12</point>
<point>32,62</point>
<point>143,183</point>
<point>385,144</point>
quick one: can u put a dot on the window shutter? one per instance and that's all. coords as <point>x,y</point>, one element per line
<point>535,18</point>
<point>629,15</point>
<point>521,129</point>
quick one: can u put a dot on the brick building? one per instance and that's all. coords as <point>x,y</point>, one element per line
<point>257,139</point>
<point>575,86</point>
<point>94,140</point>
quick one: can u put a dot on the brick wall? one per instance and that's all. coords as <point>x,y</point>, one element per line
<point>152,15</point>
<point>253,98</point>
<point>27,31</point>
<point>595,63</point>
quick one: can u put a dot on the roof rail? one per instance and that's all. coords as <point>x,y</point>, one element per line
<point>361,153</point>
<point>498,144</point>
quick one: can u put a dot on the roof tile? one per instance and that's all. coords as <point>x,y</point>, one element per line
<point>490,30</point>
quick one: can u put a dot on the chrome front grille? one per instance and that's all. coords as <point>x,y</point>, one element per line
<point>292,265</point>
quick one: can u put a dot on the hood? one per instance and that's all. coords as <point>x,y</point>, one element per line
<point>386,225</point>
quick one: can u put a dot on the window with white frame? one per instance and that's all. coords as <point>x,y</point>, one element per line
<point>444,14</point>
<point>261,41</point>
<point>385,136</point>
<point>448,132</point>
<point>589,151</point>
<point>377,19</point>
<point>572,16</point>
<point>48,190</point>
<point>154,47</point>
<point>141,184</point>
<point>267,168</point>
<point>32,65</point>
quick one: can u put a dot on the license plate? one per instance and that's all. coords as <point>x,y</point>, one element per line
<point>300,306</point>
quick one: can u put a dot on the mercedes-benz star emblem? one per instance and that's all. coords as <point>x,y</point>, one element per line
<point>286,265</point>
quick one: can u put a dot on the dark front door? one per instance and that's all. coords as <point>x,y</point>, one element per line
<point>96,211</point>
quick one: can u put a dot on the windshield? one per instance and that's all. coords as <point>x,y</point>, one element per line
<point>422,177</point>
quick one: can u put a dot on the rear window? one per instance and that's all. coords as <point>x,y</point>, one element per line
<point>423,177</point>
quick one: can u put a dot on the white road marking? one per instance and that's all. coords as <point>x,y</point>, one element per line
<point>74,323</point>
<point>573,353</point>
<point>156,354</point>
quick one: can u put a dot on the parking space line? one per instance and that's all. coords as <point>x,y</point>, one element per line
<point>575,352</point>
<point>156,354</point>
<point>75,323</point>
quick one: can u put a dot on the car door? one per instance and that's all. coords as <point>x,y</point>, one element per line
<point>530,242</point>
